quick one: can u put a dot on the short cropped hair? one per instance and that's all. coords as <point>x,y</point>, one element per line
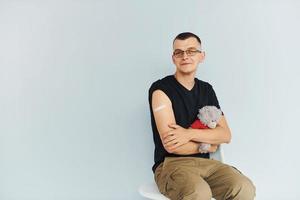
<point>186,35</point>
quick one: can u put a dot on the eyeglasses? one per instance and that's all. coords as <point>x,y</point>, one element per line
<point>190,52</point>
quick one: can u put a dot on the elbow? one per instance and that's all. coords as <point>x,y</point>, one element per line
<point>228,137</point>
<point>228,141</point>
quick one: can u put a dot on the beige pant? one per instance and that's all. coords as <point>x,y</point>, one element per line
<point>191,178</point>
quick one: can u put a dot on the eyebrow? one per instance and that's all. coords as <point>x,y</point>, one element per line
<point>186,49</point>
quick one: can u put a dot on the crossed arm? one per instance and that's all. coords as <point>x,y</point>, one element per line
<point>182,141</point>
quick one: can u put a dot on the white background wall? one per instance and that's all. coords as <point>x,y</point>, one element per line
<point>74,79</point>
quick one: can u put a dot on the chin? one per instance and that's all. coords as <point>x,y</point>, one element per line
<point>187,70</point>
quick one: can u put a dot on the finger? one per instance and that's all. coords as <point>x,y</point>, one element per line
<point>174,126</point>
<point>169,134</point>
<point>171,143</point>
<point>175,146</point>
<point>168,139</point>
<point>165,135</point>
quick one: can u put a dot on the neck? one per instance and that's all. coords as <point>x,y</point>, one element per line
<point>188,80</point>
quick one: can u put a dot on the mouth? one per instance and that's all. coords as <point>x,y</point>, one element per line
<point>185,63</point>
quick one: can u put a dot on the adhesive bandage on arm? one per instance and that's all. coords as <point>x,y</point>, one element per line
<point>159,108</point>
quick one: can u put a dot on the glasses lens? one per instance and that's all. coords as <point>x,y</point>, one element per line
<point>189,52</point>
<point>178,54</point>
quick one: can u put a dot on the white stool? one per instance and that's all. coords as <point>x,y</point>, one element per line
<point>149,190</point>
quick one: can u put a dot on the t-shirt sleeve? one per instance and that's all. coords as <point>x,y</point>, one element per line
<point>212,98</point>
<point>158,86</point>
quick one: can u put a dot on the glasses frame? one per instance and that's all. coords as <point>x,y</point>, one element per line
<point>181,54</point>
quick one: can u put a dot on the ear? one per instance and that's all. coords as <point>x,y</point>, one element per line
<point>202,56</point>
<point>173,59</point>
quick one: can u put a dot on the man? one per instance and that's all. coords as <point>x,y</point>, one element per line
<point>181,170</point>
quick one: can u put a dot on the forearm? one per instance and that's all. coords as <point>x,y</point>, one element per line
<point>186,141</point>
<point>217,135</point>
<point>192,148</point>
<point>187,149</point>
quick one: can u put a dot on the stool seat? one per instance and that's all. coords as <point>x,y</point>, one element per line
<point>150,191</point>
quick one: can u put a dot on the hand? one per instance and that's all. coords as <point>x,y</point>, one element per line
<point>213,148</point>
<point>175,138</point>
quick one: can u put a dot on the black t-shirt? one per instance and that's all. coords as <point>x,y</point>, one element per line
<point>186,104</point>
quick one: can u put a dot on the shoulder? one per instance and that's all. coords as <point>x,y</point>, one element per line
<point>160,97</point>
<point>161,84</point>
<point>163,81</point>
<point>161,88</point>
<point>204,84</point>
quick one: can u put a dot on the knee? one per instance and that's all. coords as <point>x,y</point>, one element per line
<point>243,189</point>
<point>196,190</point>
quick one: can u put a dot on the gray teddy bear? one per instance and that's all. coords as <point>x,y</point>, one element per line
<point>209,116</point>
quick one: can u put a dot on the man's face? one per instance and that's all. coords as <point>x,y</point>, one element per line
<point>185,63</point>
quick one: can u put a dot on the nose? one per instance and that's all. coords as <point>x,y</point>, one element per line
<point>184,56</point>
